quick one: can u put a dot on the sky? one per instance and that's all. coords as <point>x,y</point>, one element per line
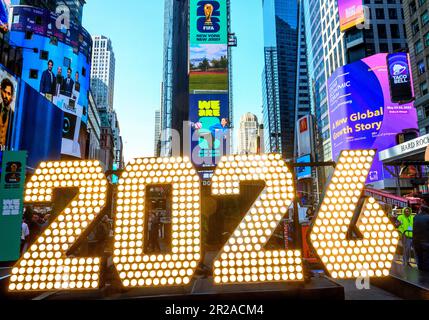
<point>136,30</point>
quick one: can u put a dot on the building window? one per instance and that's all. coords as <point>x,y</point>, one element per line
<point>415,27</point>
<point>413,7</point>
<point>393,14</point>
<point>394,30</point>
<point>382,31</point>
<point>424,88</point>
<point>384,47</point>
<point>418,47</point>
<point>421,67</point>
<point>425,18</point>
<point>379,13</point>
<point>426,39</point>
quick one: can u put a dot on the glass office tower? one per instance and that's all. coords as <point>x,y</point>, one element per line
<point>280,75</point>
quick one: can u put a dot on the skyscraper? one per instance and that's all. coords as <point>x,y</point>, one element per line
<point>103,72</point>
<point>303,107</point>
<point>281,40</point>
<point>157,137</point>
<point>248,134</point>
<point>175,83</point>
<point>417,19</point>
<point>103,88</point>
<point>329,48</point>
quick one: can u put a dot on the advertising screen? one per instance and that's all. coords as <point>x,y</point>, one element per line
<point>210,130</point>
<point>362,113</point>
<point>38,127</point>
<point>208,20</point>
<point>401,88</point>
<point>303,172</point>
<point>12,183</point>
<point>209,82</point>
<point>8,93</point>
<point>57,64</point>
<point>351,13</point>
<point>304,135</point>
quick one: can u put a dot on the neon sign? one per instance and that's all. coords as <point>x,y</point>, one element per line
<point>46,265</point>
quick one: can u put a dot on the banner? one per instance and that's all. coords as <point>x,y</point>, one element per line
<point>209,82</point>
<point>208,22</point>
<point>351,13</point>
<point>12,183</point>
<point>362,113</point>
<point>210,128</point>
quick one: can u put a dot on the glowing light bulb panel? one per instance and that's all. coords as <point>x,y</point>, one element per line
<point>135,268</point>
<point>243,259</point>
<point>370,256</point>
<point>46,266</point>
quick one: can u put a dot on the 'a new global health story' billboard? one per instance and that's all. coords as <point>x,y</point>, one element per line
<point>208,82</point>
<point>362,113</point>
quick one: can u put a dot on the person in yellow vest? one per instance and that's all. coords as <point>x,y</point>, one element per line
<point>406,223</point>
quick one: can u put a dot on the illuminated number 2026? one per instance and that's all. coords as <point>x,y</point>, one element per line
<point>45,266</point>
<point>243,258</point>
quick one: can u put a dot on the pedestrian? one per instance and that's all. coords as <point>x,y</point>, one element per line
<point>154,224</point>
<point>102,235</point>
<point>25,237</point>
<point>405,227</point>
<point>421,238</point>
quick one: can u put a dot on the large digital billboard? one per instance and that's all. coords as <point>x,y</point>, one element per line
<point>38,127</point>
<point>209,82</point>
<point>57,64</point>
<point>400,79</point>
<point>8,93</point>
<point>362,113</point>
<point>208,21</point>
<point>210,131</point>
<point>351,13</point>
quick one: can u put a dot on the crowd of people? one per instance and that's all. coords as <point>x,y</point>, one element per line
<point>33,224</point>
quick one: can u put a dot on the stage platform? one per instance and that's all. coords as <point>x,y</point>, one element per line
<point>405,282</point>
<point>203,290</point>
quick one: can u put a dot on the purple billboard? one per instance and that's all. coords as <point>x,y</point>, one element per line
<point>351,13</point>
<point>362,113</point>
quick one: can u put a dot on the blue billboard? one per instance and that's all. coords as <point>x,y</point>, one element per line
<point>210,131</point>
<point>303,172</point>
<point>38,127</point>
<point>57,63</point>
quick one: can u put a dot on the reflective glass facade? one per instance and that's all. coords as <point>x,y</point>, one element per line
<point>280,76</point>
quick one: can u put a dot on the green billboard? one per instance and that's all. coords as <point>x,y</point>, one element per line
<point>208,22</point>
<point>12,183</point>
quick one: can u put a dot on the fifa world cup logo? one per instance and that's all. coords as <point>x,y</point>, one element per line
<point>208,11</point>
